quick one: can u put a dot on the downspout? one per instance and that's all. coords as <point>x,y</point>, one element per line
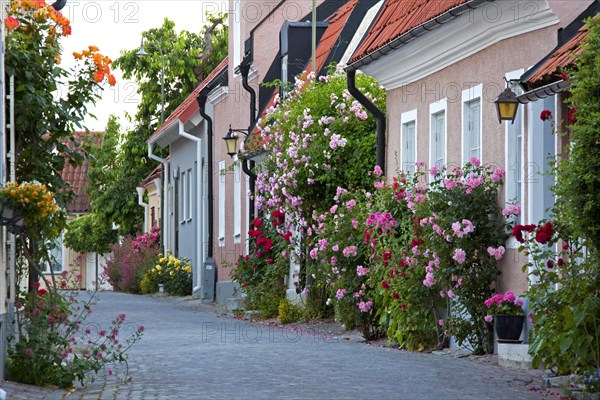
<point>163,195</point>
<point>140,192</point>
<point>248,165</point>
<point>379,116</point>
<point>210,260</point>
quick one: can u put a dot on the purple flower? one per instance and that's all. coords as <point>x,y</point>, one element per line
<point>29,352</point>
<point>365,306</point>
<point>340,293</point>
<point>488,318</point>
<point>361,271</point>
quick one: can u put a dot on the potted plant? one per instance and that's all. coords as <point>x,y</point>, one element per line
<point>507,313</point>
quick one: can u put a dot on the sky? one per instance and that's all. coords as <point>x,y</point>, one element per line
<point>115,25</point>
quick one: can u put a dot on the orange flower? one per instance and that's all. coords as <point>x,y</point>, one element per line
<point>11,23</point>
<point>98,76</point>
<point>77,55</point>
<point>86,53</point>
<point>111,80</point>
<point>93,48</point>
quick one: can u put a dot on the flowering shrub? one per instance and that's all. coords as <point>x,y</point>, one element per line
<point>36,203</point>
<point>591,381</point>
<point>318,139</point>
<point>53,346</point>
<point>130,261</point>
<point>172,272</point>
<point>564,299</point>
<point>147,240</point>
<point>261,274</point>
<point>464,231</point>
<point>503,304</point>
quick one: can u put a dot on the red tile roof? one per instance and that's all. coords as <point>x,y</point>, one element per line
<point>189,106</point>
<point>77,178</point>
<point>397,17</point>
<point>562,58</point>
<point>330,37</point>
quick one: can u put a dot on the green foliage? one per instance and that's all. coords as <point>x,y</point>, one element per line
<point>578,180</point>
<point>89,234</point>
<point>289,312</point>
<point>564,302</point>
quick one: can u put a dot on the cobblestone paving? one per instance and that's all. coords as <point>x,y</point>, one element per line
<point>189,351</point>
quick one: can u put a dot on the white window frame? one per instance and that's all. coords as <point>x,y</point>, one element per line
<point>435,109</point>
<point>222,183</point>
<point>237,201</point>
<point>474,93</point>
<point>514,157</point>
<point>407,118</point>
<point>183,196</point>
<point>190,195</point>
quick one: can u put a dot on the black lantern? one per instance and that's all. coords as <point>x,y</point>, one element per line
<point>507,105</point>
<point>231,140</point>
<point>11,218</point>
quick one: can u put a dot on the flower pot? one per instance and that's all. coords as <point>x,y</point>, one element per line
<point>509,328</point>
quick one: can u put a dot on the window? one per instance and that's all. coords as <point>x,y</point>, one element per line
<point>56,256</point>
<point>237,202</point>
<point>183,196</point>
<point>437,133</point>
<point>542,145</point>
<point>409,141</point>
<point>471,123</point>
<point>514,150</point>
<point>190,195</point>
<point>221,203</point>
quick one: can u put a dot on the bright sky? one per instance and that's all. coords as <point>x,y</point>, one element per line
<point>117,25</point>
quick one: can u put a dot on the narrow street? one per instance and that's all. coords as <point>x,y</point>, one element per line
<point>188,351</point>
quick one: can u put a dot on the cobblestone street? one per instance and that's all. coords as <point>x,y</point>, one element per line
<point>189,351</point>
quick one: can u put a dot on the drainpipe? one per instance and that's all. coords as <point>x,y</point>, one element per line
<point>140,192</point>
<point>379,116</point>
<point>210,263</point>
<point>163,195</point>
<point>248,165</point>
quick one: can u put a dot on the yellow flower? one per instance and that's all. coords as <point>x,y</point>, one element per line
<point>172,273</point>
<point>162,260</point>
<point>158,268</point>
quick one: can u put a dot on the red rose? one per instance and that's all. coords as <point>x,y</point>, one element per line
<point>571,116</point>
<point>561,262</point>
<point>385,284</point>
<point>257,222</point>
<point>550,264</point>
<point>517,232</point>
<point>287,236</point>
<point>544,233</point>
<point>395,295</point>
<point>546,115</point>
